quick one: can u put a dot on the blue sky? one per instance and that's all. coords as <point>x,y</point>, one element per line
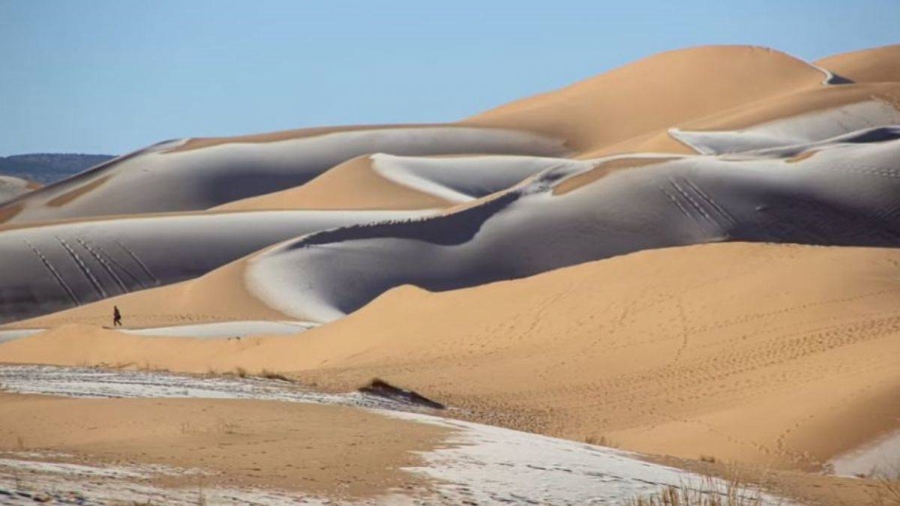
<point>110,76</point>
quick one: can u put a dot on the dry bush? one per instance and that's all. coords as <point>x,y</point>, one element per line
<point>709,492</point>
<point>267,374</point>
<point>888,491</point>
<point>600,441</point>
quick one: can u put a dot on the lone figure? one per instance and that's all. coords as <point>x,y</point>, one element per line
<point>117,317</point>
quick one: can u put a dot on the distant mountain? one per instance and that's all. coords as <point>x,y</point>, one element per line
<point>47,168</point>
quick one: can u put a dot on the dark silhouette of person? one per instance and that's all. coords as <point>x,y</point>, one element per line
<point>117,317</point>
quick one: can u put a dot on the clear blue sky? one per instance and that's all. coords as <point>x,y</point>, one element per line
<point>110,76</point>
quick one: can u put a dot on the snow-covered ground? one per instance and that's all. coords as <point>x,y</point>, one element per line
<point>25,482</point>
<point>89,382</point>
<point>481,464</point>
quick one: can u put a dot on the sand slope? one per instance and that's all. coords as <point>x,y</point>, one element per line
<point>776,354</point>
<point>289,446</point>
<point>656,93</point>
<point>874,65</point>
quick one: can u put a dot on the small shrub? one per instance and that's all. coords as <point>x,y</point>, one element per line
<point>887,492</point>
<point>600,441</point>
<point>710,492</point>
<point>267,374</point>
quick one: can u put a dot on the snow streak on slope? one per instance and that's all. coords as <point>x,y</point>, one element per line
<point>50,268</point>
<point>462,179</point>
<point>803,129</point>
<point>843,195</point>
<point>162,178</point>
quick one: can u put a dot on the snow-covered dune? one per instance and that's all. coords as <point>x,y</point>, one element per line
<point>802,129</point>
<point>54,267</point>
<point>172,176</point>
<point>845,194</point>
<point>11,187</point>
<point>383,181</point>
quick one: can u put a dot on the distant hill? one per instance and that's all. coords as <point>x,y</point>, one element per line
<point>46,168</point>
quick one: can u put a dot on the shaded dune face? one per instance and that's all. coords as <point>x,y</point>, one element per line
<point>56,267</point>
<point>163,179</point>
<point>844,195</point>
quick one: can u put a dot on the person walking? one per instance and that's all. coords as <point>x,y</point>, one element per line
<point>117,317</point>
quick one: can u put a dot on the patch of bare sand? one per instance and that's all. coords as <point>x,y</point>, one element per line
<point>655,93</point>
<point>778,355</point>
<point>878,64</point>
<point>332,451</point>
<point>350,185</point>
<point>283,135</point>
<point>756,113</point>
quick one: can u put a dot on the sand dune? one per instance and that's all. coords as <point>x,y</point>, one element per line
<point>656,93</point>
<point>879,64</point>
<point>659,351</point>
<point>59,266</point>
<point>384,181</point>
<point>11,187</point>
<point>821,199</point>
<point>162,178</point>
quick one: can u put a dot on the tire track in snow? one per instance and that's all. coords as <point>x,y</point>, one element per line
<point>83,267</point>
<point>55,273</point>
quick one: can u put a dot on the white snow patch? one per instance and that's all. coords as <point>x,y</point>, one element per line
<point>21,481</point>
<point>465,178</point>
<point>493,465</point>
<point>12,335</point>
<point>802,129</point>
<point>88,382</point>
<point>873,459</point>
<point>223,330</point>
